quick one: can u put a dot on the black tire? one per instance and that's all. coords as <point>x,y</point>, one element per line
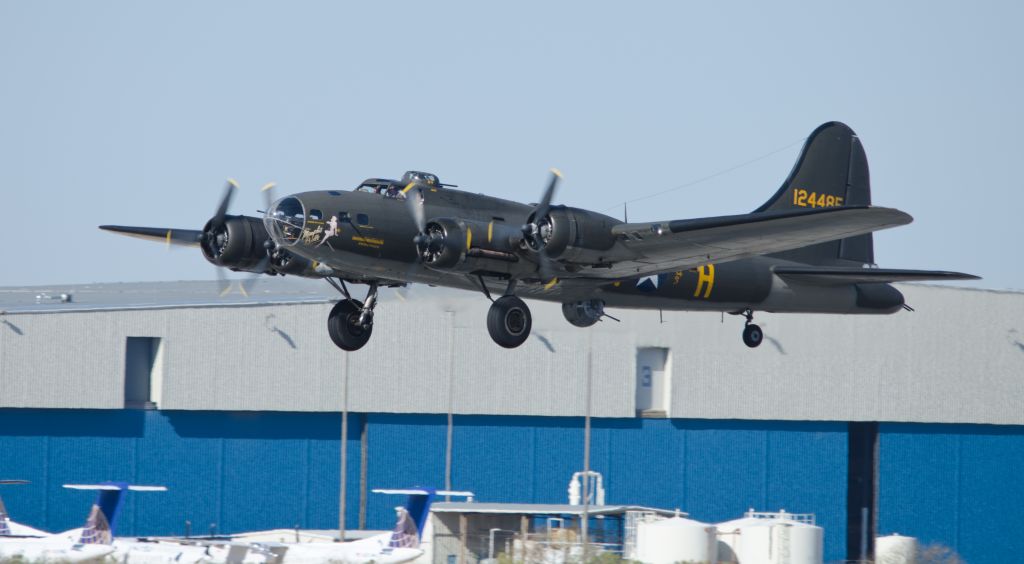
<point>509,321</point>
<point>344,328</point>
<point>752,335</point>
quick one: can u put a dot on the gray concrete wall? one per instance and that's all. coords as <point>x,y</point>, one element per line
<point>959,358</point>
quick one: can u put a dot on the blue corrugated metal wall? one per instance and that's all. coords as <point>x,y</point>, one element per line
<point>958,485</point>
<point>240,471</point>
<point>713,469</point>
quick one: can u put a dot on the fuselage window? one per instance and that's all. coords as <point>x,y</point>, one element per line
<point>316,215</point>
<point>343,217</point>
<point>362,219</point>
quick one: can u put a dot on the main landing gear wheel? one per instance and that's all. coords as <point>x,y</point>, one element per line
<point>509,321</point>
<point>344,325</point>
<point>752,333</point>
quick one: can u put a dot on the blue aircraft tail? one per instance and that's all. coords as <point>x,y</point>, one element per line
<point>99,526</point>
<point>412,518</point>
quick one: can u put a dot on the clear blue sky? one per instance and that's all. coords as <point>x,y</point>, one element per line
<point>136,112</point>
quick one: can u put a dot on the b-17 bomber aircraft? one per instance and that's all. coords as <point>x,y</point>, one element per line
<point>808,249</point>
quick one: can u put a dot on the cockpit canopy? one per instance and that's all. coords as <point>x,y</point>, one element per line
<point>421,177</point>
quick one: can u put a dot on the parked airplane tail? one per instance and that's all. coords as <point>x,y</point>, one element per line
<point>412,518</point>
<point>99,526</point>
<point>832,171</point>
<point>5,519</point>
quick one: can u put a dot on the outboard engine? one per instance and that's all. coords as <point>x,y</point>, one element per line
<point>238,242</point>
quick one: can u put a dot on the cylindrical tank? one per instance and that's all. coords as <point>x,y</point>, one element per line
<point>798,543</point>
<point>769,541</point>
<point>895,549</point>
<point>676,540</point>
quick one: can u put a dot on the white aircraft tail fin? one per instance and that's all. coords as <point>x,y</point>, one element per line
<point>99,526</point>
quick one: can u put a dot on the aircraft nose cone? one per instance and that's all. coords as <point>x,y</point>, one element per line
<point>285,220</point>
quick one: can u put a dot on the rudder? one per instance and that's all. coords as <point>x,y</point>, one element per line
<point>832,171</point>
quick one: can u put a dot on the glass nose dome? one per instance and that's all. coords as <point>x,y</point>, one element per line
<point>285,220</point>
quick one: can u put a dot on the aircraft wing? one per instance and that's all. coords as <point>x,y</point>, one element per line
<point>840,275</point>
<point>688,243</point>
<point>185,237</point>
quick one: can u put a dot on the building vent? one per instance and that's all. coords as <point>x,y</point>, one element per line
<point>143,372</point>
<point>653,381</point>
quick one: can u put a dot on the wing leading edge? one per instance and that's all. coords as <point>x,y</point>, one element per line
<point>663,246</point>
<point>185,237</point>
<point>838,275</point>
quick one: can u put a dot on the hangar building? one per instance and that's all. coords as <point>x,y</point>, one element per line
<point>915,420</point>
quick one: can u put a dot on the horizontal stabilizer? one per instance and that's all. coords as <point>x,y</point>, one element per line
<point>115,487</point>
<point>838,275</point>
<point>417,491</point>
<point>185,237</point>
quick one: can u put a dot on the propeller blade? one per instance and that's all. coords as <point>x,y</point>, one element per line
<point>268,195</point>
<point>546,273</point>
<point>549,193</point>
<point>261,268</point>
<point>225,201</point>
<point>223,285</point>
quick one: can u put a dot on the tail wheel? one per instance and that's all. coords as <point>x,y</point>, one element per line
<point>344,328</point>
<point>509,321</point>
<point>752,335</point>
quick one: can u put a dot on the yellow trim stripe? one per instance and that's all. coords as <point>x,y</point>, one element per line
<point>551,284</point>
<point>409,187</point>
<point>469,238</point>
<point>490,231</point>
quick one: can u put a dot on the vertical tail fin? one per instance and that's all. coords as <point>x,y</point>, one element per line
<point>832,171</point>
<point>99,526</point>
<point>5,519</point>
<point>5,529</point>
<point>412,518</point>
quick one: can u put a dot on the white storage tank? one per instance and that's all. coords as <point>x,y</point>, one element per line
<point>895,549</point>
<point>676,540</point>
<point>770,538</point>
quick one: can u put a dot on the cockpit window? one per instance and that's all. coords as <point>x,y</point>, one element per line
<point>285,220</point>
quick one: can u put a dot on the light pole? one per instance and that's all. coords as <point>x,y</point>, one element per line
<point>584,525</point>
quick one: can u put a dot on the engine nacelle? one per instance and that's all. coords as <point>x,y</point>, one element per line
<point>583,313</point>
<point>461,245</point>
<point>577,236</point>
<point>239,243</point>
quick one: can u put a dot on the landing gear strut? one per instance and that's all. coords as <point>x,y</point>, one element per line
<point>752,334</point>
<point>350,322</point>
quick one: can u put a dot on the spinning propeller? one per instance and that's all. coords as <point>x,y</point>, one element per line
<point>537,230</point>
<point>215,238</point>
